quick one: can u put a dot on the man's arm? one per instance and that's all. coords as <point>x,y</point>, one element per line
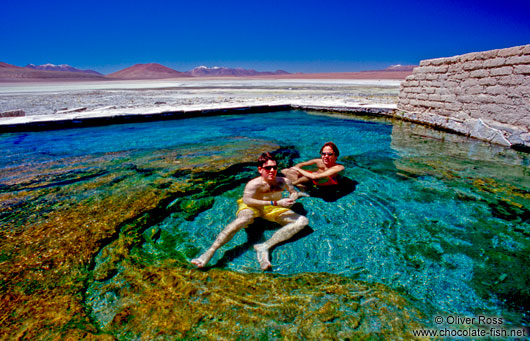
<point>288,186</point>
<point>293,193</point>
<point>250,193</point>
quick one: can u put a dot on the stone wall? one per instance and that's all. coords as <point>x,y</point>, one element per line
<point>485,95</point>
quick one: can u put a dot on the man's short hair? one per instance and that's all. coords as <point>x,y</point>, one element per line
<point>332,146</point>
<point>263,158</point>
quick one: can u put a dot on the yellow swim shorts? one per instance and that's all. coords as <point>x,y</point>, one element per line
<point>270,213</point>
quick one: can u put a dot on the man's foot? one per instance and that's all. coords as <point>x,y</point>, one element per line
<point>298,195</point>
<point>263,257</point>
<point>202,260</point>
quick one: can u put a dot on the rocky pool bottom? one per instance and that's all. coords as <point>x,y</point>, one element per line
<point>98,226</point>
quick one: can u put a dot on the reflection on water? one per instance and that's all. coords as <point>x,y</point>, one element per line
<point>98,226</point>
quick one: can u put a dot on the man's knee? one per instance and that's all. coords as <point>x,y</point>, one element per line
<point>298,224</point>
<point>302,221</point>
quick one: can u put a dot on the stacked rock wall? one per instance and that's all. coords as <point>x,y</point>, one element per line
<point>483,94</point>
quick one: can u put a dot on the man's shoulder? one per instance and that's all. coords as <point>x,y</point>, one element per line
<point>255,182</point>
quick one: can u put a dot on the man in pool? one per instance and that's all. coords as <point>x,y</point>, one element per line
<point>325,175</point>
<point>262,197</point>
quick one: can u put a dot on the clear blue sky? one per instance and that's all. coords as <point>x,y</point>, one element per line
<point>296,36</point>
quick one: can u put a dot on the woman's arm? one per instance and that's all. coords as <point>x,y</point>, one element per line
<point>307,163</point>
<point>328,172</point>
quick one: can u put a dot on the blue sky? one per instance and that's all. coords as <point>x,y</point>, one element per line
<point>296,36</point>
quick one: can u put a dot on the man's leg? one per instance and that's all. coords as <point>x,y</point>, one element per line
<point>290,174</point>
<point>244,218</point>
<point>292,224</point>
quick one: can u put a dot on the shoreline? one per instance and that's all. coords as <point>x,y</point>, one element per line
<point>91,119</point>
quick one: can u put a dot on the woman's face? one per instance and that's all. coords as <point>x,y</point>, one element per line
<point>328,156</point>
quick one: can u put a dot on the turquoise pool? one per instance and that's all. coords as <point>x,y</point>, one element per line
<point>441,219</point>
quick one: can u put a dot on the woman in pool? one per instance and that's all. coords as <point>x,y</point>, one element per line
<point>325,175</point>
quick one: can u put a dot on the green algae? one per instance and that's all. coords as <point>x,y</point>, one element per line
<point>82,204</point>
<point>169,301</point>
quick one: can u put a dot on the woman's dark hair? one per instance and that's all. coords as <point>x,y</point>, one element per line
<point>332,146</point>
<point>263,158</point>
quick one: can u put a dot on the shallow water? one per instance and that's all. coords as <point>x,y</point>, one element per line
<point>440,219</point>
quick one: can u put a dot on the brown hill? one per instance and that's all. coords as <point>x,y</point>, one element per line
<point>12,73</point>
<point>5,65</point>
<point>147,71</point>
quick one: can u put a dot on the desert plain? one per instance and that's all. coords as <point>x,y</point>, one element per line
<point>49,101</point>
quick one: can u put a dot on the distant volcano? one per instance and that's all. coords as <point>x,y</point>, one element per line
<point>147,71</point>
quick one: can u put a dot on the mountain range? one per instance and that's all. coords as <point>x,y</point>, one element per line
<point>216,71</point>
<point>49,72</point>
<point>62,67</point>
<point>399,67</point>
<point>12,73</point>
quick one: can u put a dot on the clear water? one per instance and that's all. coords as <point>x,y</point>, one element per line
<point>439,218</point>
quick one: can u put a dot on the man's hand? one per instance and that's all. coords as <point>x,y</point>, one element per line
<point>285,202</point>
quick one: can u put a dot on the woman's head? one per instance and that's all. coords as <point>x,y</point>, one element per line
<point>329,153</point>
<point>333,148</point>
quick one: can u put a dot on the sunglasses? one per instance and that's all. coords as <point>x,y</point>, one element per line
<point>269,168</point>
<point>327,154</point>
